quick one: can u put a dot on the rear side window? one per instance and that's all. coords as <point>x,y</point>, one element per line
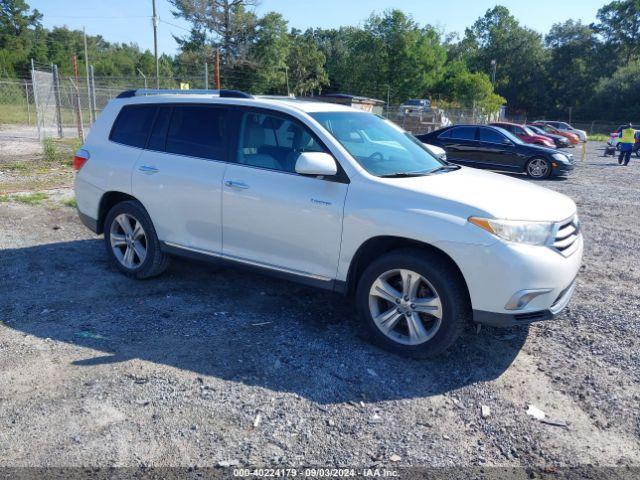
<point>198,131</point>
<point>133,124</point>
<point>463,133</point>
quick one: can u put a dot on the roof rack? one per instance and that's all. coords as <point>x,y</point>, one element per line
<point>142,92</point>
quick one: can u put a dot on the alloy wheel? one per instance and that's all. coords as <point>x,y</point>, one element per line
<point>538,168</point>
<point>128,240</point>
<point>405,307</point>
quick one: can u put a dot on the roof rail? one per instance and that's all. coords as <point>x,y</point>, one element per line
<point>142,92</point>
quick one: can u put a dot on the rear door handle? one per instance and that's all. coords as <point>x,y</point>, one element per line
<point>148,169</point>
<point>234,184</point>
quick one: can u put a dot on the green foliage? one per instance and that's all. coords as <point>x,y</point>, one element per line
<point>71,203</point>
<point>620,25</point>
<point>620,92</point>
<point>49,149</point>
<point>28,199</point>
<point>590,70</point>
<point>60,151</point>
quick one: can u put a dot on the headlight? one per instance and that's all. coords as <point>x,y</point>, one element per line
<point>560,157</point>
<point>530,233</point>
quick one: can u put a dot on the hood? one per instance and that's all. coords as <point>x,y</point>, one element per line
<point>533,148</point>
<point>489,194</point>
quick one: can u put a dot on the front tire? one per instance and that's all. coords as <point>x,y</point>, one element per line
<point>131,241</point>
<point>413,302</point>
<point>538,168</point>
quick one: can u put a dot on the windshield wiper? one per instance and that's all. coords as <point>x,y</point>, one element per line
<point>444,168</point>
<point>404,174</point>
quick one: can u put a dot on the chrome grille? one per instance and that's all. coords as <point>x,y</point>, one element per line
<point>566,236</point>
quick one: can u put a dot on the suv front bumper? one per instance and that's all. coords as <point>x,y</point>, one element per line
<point>494,319</point>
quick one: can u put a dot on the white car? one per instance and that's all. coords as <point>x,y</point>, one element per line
<point>439,153</point>
<point>328,196</point>
<point>565,127</point>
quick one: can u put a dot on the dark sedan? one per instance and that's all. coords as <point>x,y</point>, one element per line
<point>484,146</point>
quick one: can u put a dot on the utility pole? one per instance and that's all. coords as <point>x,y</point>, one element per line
<point>206,76</point>
<point>74,82</point>
<point>217,70</point>
<point>155,42</point>
<point>93,92</point>
<point>92,115</point>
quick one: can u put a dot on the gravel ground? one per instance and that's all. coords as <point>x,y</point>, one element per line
<point>208,365</point>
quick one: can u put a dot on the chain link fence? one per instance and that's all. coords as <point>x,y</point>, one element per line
<point>51,105</point>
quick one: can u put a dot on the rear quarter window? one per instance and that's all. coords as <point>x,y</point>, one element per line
<point>133,124</point>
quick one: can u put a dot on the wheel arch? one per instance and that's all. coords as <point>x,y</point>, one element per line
<point>107,202</point>
<point>380,245</point>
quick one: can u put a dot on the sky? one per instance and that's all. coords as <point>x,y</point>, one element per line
<point>130,20</point>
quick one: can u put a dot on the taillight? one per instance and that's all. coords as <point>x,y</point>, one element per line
<point>80,159</point>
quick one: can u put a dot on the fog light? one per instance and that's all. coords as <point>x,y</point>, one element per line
<point>521,299</point>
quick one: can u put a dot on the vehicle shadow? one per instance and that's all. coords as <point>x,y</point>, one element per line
<point>231,324</point>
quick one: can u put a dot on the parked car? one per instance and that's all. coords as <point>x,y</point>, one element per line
<point>559,140</point>
<point>525,134</point>
<point>494,148</point>
<point>572,137</point>
<point>565,127</point>
<point>422,245</point>
<point>439,153</point>
<point>415,106</point>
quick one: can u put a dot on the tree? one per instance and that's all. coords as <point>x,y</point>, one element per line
<point>305,65</point>
<point>270,51</point>
<point>617,97</point>
<point>572,78</point>
<point>17,23</point>
<point>519,53</point>
<point>620,25</point>
<point>227,22</point>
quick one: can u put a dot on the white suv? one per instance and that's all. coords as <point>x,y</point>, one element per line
<point>328,196</point>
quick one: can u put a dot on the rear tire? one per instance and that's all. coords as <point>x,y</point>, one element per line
<point>538,168</point>
<point>132,243</point>
<point>421,321</point>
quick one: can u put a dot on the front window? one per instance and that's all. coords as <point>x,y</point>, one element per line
<point>273,141</point>
<point>382,148</point>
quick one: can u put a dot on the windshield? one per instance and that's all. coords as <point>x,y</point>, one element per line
<point>528,130</point>
<point>382,148</point>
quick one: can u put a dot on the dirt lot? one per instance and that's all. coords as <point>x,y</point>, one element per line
<point>207,365</point>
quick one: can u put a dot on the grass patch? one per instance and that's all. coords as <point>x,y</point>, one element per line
<point>4,198</point>
<point>71,203</point>
<point>31,198</point>
<point>60,150</point>
<point>16,114</point>
<point>598,137</point>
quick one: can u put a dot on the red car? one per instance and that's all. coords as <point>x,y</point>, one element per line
<point>525,134</point>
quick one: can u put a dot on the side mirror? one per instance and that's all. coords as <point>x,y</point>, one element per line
<point>316,163</point>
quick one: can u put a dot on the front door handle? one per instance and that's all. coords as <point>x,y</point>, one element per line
<point>235,184</point>
<point>148,169</point>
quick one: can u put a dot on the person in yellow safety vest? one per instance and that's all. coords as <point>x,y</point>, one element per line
<point>627,140</point>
